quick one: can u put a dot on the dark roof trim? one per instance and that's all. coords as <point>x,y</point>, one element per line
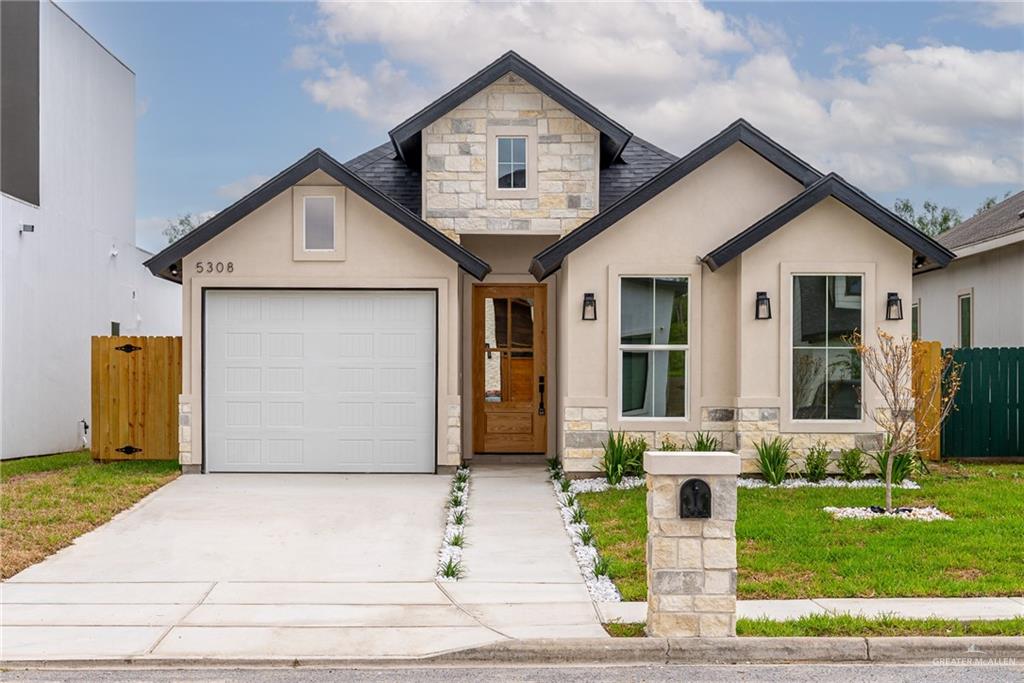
<point>548,261</point>
<point>831,186</point>
<point>406,135</point>
<point>317,160</point>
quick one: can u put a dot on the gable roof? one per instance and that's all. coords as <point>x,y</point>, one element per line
<point>639,162</point>
<point>169,259</point>
<point>834,186</point>
<point>1002,219</point>
<point>380,168</point>
<point>406,136</point>
<point>548,261</point>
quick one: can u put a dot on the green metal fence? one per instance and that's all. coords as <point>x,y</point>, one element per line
<point>988,421</point>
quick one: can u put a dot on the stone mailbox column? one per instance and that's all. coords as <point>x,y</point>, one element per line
<point>691,543</point>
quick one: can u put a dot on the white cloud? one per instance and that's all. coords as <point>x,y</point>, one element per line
<point>677,73</point>
<point>1000,14</point>
<point>241,187</point>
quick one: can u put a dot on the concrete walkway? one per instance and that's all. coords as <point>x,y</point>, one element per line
<point>961,609</point>
<point>518,555</point>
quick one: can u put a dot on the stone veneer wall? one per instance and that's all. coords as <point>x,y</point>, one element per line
<point>455,165</point>
<point>586,430</point>
<point>185,434</point>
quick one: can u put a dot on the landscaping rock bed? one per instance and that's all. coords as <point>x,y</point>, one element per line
<point>449,563</point>
<point>600,484</point>
<point>600,586</point>
<point>925,514</point>
<point>827,483</point>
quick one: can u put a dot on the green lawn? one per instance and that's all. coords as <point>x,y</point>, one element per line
<point>789,548</point>
<point>846,625</point>
<point>47,502</point>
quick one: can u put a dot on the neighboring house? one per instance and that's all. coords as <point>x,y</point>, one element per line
<point>514,272</point>
<point>978,300</point>
<point>69,267</point>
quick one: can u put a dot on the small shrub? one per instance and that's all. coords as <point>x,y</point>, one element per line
<point>457,540</point>
<point>452,569</point>
<point>904,465</point>
<point>577,516</point>
<point>455,500</point>
<point>851,464</point>
<point>667,444</point>
<point>622,457</point>
<point>586,536</point>
<point>705,441</point>
<point>554,464</point>
<point>461,476</point>
<point>816,464</point>
<point>569,499</point>
<point>602,568</point>
<point>565,485</point>
<point>773,459</point>
<point>459,517</point>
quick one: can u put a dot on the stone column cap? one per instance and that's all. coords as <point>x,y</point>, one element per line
<point>691,462</point>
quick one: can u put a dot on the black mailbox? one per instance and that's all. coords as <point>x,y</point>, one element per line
<point>695,500</point>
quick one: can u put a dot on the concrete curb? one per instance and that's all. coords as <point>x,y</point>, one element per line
<point>933,649</point>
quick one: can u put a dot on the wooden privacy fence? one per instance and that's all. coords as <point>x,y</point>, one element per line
<point>926,362</point>
<point>988,420</point>
<point>135,386</point>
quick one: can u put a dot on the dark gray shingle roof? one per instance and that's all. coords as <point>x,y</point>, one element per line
<point>381,169</point>
<point>640,161</point>
<point>1001,219</point>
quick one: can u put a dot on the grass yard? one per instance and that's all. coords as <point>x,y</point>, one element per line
<point>47,502</point>
<point>846,625</point>
<point>788,548</point>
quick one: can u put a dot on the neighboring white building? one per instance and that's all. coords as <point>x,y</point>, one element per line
<point>978,299</point>
<point>69,267</point>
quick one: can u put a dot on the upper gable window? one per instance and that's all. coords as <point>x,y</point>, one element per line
<point>511,159</point>
<point>318,223</point>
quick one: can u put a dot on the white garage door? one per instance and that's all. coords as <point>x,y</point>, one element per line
<point>319,381</point>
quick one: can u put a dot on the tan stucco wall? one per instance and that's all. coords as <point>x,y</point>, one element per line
<point>457,155</point>
<point>736,362</point>
<point>380,253</point>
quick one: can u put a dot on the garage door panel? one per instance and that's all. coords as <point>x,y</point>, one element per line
<point>320,381</point>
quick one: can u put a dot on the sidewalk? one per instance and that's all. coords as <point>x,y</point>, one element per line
<point>962,609</point>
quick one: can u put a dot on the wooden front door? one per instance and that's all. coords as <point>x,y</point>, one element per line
<point>509,368</point>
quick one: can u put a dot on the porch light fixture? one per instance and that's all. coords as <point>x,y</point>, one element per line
<point>589,306</point>
<point>893,307</point>
<point>763,307</point>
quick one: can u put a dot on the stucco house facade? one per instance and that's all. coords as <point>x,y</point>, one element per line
<point>516,273</point>
<point>978,300</point>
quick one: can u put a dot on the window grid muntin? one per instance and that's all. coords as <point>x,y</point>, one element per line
<point>794,347</point>
<point>515,165</point>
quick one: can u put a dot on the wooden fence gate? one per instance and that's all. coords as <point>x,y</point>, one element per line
<point>988,420</point>
<point>135,386</point>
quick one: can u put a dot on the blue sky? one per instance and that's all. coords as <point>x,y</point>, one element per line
<point>919,100</point>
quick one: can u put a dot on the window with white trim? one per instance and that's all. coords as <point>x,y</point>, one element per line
<point>827,310</point>
<point>915,320</point>
<point>318,223</point>
<point>653,346</point>
<point>964,315</point>
<point>511,159</point>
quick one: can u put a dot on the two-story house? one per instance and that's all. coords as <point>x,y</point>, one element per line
<point>516,273</point>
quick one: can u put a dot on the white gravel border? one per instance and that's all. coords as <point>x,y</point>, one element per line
<point>826,483</point>
<point>449,551</point>
<point>925,514</point>
<point>601,587</point>
<point>601,484</point>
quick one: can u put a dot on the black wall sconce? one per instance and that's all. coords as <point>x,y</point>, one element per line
<point>589,306</point>
<point>763,307</point>
<point>893,307</point>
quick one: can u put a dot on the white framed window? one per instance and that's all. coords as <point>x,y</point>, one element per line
<point>654,323</point>
<point>915,320</point>
<point>511,159</point>
<point>318,223</point>
<point>827,309</point>
<point>965,319</point>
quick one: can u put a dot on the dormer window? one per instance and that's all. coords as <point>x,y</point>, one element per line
<point>511,159</point>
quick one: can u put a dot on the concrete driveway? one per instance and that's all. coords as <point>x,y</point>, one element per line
<point>265,566</point>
